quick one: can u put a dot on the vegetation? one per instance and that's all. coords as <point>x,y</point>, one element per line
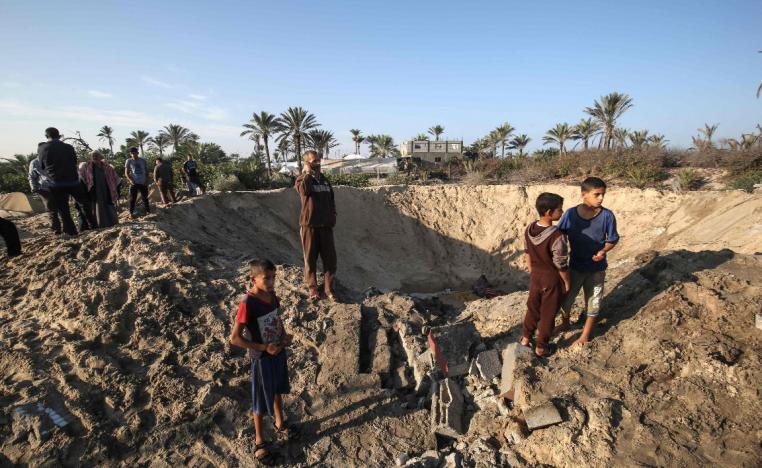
<point>436,130</point>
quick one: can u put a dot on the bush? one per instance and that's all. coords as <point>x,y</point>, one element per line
<point>400,178</point>
<point>687,179</point>
<point>746,180</point>
<point>228,183</point>
<point>352,180</point>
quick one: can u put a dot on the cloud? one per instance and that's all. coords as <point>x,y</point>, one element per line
<point>155,82</point>
<point>198,109</point>
<point>99,94</point>
<point>81,114</point>
<point>198,97</point>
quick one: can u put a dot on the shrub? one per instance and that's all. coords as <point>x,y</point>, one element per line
<point>400,178</point>
<point>352,180</point>
<point>228,183</point>
<point>746,180</point>
<point>687,179</point>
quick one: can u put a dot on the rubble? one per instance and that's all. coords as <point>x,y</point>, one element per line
<point>382,353</point>
<point>515,357</point>
<point>541,416</point>
<point>453,343</point>
<point>759,320</point>
<point>447,409</point>
<point>342,340</point>
<point>400,378</point>
<point>488,364</point>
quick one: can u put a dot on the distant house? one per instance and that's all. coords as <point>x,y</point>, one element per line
<point>432,151</point>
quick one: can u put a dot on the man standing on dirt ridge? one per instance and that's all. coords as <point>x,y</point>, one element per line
<point>316,222</point>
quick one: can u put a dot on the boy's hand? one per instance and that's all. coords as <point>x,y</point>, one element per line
<point>272,349</point>
<point>599,256</point>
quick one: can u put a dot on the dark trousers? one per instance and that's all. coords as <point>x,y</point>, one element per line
<point>11,237</point>
<point>542,306</point>
<point>61,199</point>
<point>50,206</point>
<point>134,190</point>
<point>318,241</point>
<point>167,191</point>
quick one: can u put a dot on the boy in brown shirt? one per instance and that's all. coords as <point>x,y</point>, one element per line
<point>548,262</point>
<point>316,222</point>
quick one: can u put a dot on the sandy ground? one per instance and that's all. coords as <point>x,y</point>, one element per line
<point>123,333</point>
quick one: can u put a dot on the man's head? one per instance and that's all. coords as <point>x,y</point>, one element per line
<point>262,274</point>
<point>189,157</point>
<point>312,160</point>
<point>593,191</point>
<point>97,156</point>
<point>158,161</point>
<point>550,204</point>
<point>51,133</point>
<point>134,152</point>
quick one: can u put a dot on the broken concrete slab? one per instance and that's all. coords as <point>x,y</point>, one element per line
<point>400,378</point>
<point>447,409</point>
<point>515,358</point>
<point>541,416</point>
<point>488,364</point>
<point>451,344</point>
<point>340,351</point>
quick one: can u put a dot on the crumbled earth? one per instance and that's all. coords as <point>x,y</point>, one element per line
<point>123,334</point>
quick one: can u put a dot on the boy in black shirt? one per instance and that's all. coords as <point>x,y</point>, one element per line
<point>258,328</point>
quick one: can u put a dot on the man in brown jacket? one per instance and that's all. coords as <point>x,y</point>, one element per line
<point>316,222</point>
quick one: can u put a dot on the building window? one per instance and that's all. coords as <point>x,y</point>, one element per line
<point>417,146</point>
<point>437,159</point>
<point>454,146</point>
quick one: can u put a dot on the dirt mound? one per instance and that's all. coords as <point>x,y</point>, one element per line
<point>122,334</point>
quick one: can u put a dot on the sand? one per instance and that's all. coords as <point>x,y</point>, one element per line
<point>123,332</point>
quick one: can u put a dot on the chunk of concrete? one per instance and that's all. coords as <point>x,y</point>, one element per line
<point>382,353</point>
<point>422,364</point>
<point>759,320</point>
<point>515,359</point>
<point>488,364</point>
<point>400,378</point>
<point>447,409</point>
<point>339,354</point>
<point>451,345</point>
<point>541,416</point>
<point>453,460</point>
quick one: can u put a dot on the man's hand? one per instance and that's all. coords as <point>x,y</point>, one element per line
<point>599,256</point>
<point>272,349</point>
<point>567,287</point>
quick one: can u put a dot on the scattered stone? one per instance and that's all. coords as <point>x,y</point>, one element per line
<point>453,460</point>
<point>451,344</point>
<point>515,358</point>
<point>422,365</point>
<point>428,459</point>
<point>513,433</point>
<point>541,416</point>
<point>510,458</point>
<point>402,458</point>
<point>502,406</point>
<point>401,379</point>
<point>488,364</point>
<point>759,320</point>
<point>447,409</point>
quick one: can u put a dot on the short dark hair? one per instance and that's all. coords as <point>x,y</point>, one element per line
<point>592,183</point>
<point>312,153</point>
<point>52,132</point>
<point>134,149</point>
<point>158,160</point>
<point>548,201</point>
<point>260,266</point>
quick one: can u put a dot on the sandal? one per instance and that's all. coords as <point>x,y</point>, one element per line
<point>314,295</point>
<point>285,429</point>
<point>266,458</point>
<point>332,297</point>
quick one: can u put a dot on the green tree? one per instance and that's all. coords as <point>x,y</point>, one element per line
<point>382,146</point>
<point>177,135</point>
<point>106,133</point>
<point>501,135</point>
<point>139,138</point>
<point>264,125</point>
<point>559,135</point>
<point>607,111</point>
<point>586,130</point>
<point>657,141</point>
<point>519,143</point>
<point>436,130</point>
<point>295,123</point>
<point>13,173</point>
<point>321,141</point>
<point>708,131</point>
<point>159,142</point>
<point>620,137</point>
<point>421,137</point>
<point>638,138</point>
<point>358,138</point>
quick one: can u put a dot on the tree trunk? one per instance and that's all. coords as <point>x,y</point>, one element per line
<point>298,152</point>
<point>585,141</point>
<point>503,151</point>
<point>111,145</point>
<point>267,154</point>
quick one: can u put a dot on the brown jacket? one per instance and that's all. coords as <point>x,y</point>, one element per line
<point>318,204</point>
<point>548,252</point>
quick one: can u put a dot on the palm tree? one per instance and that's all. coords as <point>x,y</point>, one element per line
<point>501,135</point>
<point>638,138</point>
<point>748,140</point>
<point>18,165</point>
<point>519,143</point>
<point>357,138</point>
<point>559,135</point>
<point>138,138</point>
<point>382,146</point>
<point>295,123</point>
<point>107,133</point>
<point>586,130</point>
<point>321,141</point>
<point>620,136</point>
<point>708,131</point>
<point>436,130</point>
<point>178,135</point>
<point>283,148</point>
<point>421,137</point>
<point>607,111</point>
<point>263,125</point>
<point>658,141</point>
<point>160,141</point>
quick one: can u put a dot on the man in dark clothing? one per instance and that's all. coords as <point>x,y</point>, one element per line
<point>316,221</point>
<point>193,179</point>
<point>162,174</point>
<point>40,183</point>
<point>136,171</point>
<point>59,161</point>
<point>11,237</point>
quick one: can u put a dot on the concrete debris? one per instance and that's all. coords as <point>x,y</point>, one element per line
<point>451,345</point>
<point>402,458</point>
<point>401,379</point>
<point>488,364</point>
<point>759,320</point>
<point>502,406</point>
<point>513,433</point>
<point>453,460</point>
<point>541,416</point>
<point>515,359</point>
<point>447,409</point>
<point>428,459</point>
